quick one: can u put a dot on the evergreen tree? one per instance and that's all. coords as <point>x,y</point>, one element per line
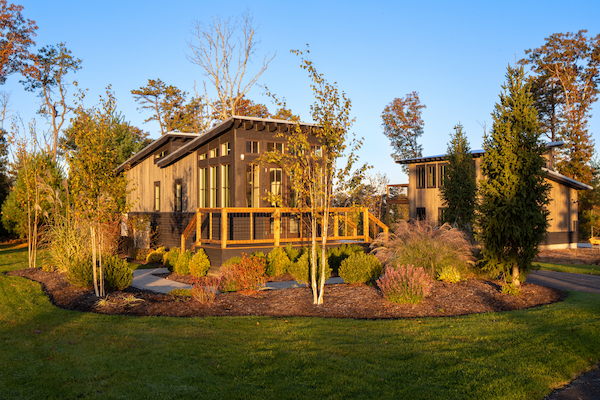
<point>513,191</point>
<point>459,190</point>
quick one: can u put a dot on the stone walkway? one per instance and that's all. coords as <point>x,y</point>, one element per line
<point>146,280</point>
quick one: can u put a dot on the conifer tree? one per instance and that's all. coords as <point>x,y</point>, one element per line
<point>459,189</point>
<point>513,191</point>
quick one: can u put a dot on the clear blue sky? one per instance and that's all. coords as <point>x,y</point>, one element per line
<point>453,53</point>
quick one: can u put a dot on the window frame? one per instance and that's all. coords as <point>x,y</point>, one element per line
<point>157,196</point>
<point>178,196</point>
<point>225,149</point>
<point>214,186</point>
<point>421,176</point>
<point>431,182</point>
<point>441,173</point>
<point>203,187</point>
<point>252,147</point>
<point>421,213</point>
<point>225,190</point>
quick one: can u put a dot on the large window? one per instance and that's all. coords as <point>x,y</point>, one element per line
<point>442,174</point>
<point>272,146</point>
<point>252,185</point>
<point>225,186</point>
<point>157,196</point>
<point>214,186</point>
<point>213,153</point>
<point>431,169</point>
<point>203,187</point>
<point>178,196</point>
<point>420,176</point>
<point>225,150</point>
<point>275,180</point>
<point>421,213</point>
<point>252,147</point>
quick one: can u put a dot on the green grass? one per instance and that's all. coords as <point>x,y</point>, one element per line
<point>47,352</point>
<point>573,268</point>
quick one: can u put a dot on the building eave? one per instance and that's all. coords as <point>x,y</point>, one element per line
<point>565,180</point>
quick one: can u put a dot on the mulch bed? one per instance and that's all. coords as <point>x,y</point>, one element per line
<point>340,301</point>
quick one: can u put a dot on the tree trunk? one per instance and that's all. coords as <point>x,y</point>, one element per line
<point>515,276</point>
<point>94,275</point>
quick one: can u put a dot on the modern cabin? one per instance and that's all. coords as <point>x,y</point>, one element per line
<point>425,178</point>
<point>208,190</point>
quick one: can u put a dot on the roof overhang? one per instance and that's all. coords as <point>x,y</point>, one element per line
<point>140,155</point>
<point>565,180</point>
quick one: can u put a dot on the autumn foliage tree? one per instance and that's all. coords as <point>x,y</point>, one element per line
<point>17,35</point>
<point>566,74</point>
<point>403,125</point>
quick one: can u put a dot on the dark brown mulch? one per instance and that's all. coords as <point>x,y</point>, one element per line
<point>341,301</point>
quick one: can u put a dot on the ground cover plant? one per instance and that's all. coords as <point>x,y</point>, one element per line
<point>49,352</point>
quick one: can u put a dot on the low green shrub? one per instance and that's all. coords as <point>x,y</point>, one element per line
<point>510,288</point>
<point>170,258</point>
<point>141,254</point>
<point>301,269</point>
<point>248,274</point>
<point>182,265</point>
<point>360,268</point>
<point>404,284</point>
<point>450,274</point>
<point>277,262</point>
<point>117,274</point>
<point>80,272</point>
<point>199,264</point>
<point>156,256</point>
<point>336,255</point>
<point>181,293</point>
<point>292,253</point>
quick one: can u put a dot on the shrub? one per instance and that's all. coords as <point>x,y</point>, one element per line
<point>248,274</point>
<point>336,255</point>
<point>231,261</point>
<point>141,254</point>
<point>404,284</point>
<point>170,258</point>
<point>423,246</point>
<point>117,274</point>
<point>181,293</point>
<point>182,265</point>
<point>360,268</point>
<point>449,274</point>
<point>510,288</point>
<point>205,290</point>
<point>292,253</point>
<point>199,264</point>
<point>156,256</point>
<point>277,262</point>
<point>80,272</point>
<point>301,269</point>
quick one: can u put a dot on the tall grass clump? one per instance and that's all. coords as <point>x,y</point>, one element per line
<point>404,284</point>
<point>419,244</point>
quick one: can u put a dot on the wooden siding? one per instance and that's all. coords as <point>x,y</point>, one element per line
<point>142,176</point>
<point>563,218</point>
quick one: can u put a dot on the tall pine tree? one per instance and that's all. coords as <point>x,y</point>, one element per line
<point>513,191</point>
<point>459,190</point>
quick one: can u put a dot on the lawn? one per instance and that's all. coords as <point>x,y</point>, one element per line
<point>573,268</point>
<point>48,352</point>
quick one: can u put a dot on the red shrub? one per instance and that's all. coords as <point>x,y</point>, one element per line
<point>248,274</point>
<point>205,289</point>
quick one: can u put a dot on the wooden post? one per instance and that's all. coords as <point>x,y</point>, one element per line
<point>210,235</point>
<point>251,226</point>
<point>182,250</point>
<point>277,227</point>
<point>336,225</point>
<point>198,227</point>
<point>223,228</point>
<point>366,224</point>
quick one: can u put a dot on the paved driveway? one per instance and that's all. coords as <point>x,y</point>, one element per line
<point>566,281</point>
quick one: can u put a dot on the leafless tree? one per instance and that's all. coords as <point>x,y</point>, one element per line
<point>223,49</point>
<point>4,110</point>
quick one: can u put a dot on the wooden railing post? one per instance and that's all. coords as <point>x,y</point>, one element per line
<point>223,228</point>
<point>336,225</point>
<point>366,224</point>
<point>198,227</point>
<point>277,227</point>
<point>210,235</point>
<point>182,250</point>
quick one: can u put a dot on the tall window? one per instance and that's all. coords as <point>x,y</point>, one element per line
<point>214,186</point>
<point>431,175</point>
<point>442,174</point>
<point>278,147</point>
<point>251,147</point>
<point>157,196</point>
<point>201,156</point>
<point>252,185</point>
<point>225,150</point>
<point>178,196</point>
<point>275,183</point>
<point>213,153</point>
<point>225,186</point>
<point>203,187</point>
<point>420,176</point>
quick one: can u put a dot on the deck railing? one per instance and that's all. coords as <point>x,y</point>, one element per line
<point>397,194</point>
<point>230,226</point>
